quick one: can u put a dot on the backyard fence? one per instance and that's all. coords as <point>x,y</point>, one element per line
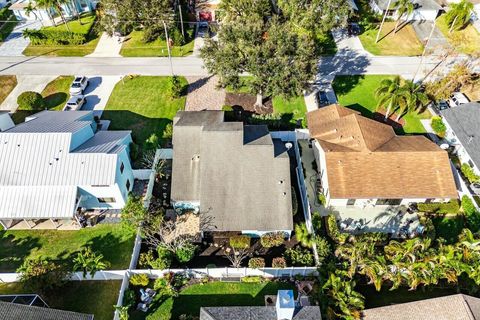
<point>74,276</point>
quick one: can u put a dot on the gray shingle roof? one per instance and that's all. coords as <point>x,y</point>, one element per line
<point>255,313</point>
<point>239,178</point>
<point>14,311</point>
<point>465,122</point>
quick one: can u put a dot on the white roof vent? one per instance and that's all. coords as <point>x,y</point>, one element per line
<point>288,145</point>
<point>285,305</point>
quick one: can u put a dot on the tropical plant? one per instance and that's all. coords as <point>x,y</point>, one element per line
<point>42,275</point>
<point>459,14</point>
<point>390,95</point>
<point>323,248</point>
<point>240,242</point>
<point>139,279</point>
<point>303,235</point>
<point>152,142</point>
<point>375,270</point>
<point>272,239</point>
<point>279,262</point>
<point>168,131</point>
<point>89,262</point>
<point>404,8</point>
<point>414,98</point>
<point>355,253</point>
<point>438,126</point>
<point>186,252</point>
<point>469,173</point>
<point>344,301</point>
<point>334,232</point>
<point>256,263</point>
<point>57,5</point>
<point>164,260</point>
<point>122,312</point>
<point>471,214</point>
<point>299,257</point>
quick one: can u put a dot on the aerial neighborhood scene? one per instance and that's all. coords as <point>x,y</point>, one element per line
<point>239,159</point>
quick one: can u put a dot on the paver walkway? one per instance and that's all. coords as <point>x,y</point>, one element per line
<point>15,43</point>
<point>98,91</point>
<point>24,83</point>
<point>203,94</point>
<point>107,47</point>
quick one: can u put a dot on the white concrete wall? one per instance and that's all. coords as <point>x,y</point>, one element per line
<point>91,193</point>
<point>322,169</point>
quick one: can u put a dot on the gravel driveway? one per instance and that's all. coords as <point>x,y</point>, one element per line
<point>203,94</point>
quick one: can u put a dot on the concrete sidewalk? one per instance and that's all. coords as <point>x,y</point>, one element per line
<point>24,83</point>
<point>107,47</point>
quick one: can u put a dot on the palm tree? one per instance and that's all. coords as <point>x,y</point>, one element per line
<point>404,7</point>
<point>47,5</point>
<point>30,8</point>
<point>57,4</point>
<point>414,100</point>
<point>89,262</point>
<point>459,14</point>
<point>390,94</point>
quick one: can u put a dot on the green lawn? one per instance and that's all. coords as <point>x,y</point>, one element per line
<point>8,27</point>
<point>466,40</point>
<point>211,294</point>
<point>109,239</point>
<point>143,105</point>
<point>403,43</point>
<point>69,50</point>
<point>91,297</point>
<point>134,46</point>
<point>357,92</point>
<point>56,94</point>
<point>448,228</point>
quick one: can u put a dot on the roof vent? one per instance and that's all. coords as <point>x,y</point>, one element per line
<point>288,145</point>
<point>280,182</point>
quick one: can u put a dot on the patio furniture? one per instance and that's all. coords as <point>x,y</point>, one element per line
<point>142,307</point>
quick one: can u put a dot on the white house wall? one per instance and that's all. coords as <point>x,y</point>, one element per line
<point>90,195</point>
<point>322,168</point>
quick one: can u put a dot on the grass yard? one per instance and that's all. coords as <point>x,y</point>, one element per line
<point>87,27</point>
<point>91,297</point>
<point>7,27</point>
<point>109,239</point>
<point>295,106</point>
<point>403,43</point>
<point>448,228</point>
<point>134,46</point>
<point>56,94</point>
<point>143,105</point>
<point>211,294</point>
<point>466,40</point>
<point>357,92</point>
<point>7,83</point>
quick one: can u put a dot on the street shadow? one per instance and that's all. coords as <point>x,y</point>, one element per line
<point>13,251</point>
<point>345,62</point>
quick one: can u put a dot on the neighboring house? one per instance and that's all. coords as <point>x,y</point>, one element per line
<point>424,9</point>
<point>237,175</point>
<point>207,10</point>
<point>5,121</point>
<point>454,307</point>
<point>69,9</point>
<point>56,165</point>
<point>16,311</point>
<point>285,309</point>
<point>463,132</point>
<point>362,162</point>
<point>4,3</point>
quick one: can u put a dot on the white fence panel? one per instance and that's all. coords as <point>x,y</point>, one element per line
<point>9,277</point>
<point>142,174</point>
<point>121,293</point>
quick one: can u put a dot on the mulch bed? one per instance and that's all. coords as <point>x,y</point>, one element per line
<point>246,102</point>
<point>380,116</point>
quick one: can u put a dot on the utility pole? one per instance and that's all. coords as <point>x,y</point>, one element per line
<point>168,46</point>
<point>424,50</point>
<point>383,20</point>
<point>181,19</point>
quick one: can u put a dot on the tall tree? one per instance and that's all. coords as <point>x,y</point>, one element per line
<point>32,8</point>
<point>415,98</point>
<point>459,14</point>
<point>390,95</point>
<point>404,8</point>
<point>47,5</point>
<point>256,41</point>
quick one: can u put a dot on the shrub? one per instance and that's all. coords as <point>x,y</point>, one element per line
<point>185,253</point>
<point>152,142</point>
<point>252,279</point>
<point>323,248</point>
<point>41,275</point>
<point>299,257</point>
<point>139,279</point>
<point>240,242</point>
<point>168,131</point>
<point>30,100</point>
<point>55,37</point>
<point>334,232</point>
<point>129,298</point>
<point>179,280</point>
<point>163,287</point>
<point>279,262</point>
<point>322,199</point>
<point>176,87</point>
<point>471,214</point>
<point>256,263</point>
<point>439,207</point>
<point>317,222</point>
<point>227,108</point>
<point>272,239</point>
<point>438,126</point>
<point>303,235</point>
<point>469,173</point>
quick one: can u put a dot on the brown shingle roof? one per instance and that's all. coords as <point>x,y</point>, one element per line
<point>365,159</point>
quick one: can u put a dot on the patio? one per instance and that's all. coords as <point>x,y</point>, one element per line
<point>387,219</point>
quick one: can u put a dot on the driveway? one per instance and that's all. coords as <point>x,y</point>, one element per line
<point>107,47</point>
<point>437,41</point>
<point>98,91</point>
<point>24,83</point>
<point>203,94</point>
<point>15,43</point>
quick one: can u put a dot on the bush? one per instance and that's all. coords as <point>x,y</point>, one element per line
<point>471,214</point>
<point>163,286</point>
<point>272,239</point>
<point>438,126</point>
<point>317,222</point>
<point>469,173</point>
<point>168,131</point>
<point>176,87</point>
<point>55,37</point>
<point>129,298</point>
<point>334,232</point>
<point>279,262</point>
<point>41,275</point>
<point>303,235</point>
<point>439,207</point>
<point>322,199</point>
<point>323,248</point>
<point>185,253</point>
<point>253,279</point>
<point>179,280</point>
<point>139,279</point>
<point>227,108</point>
<point>299,257</point>
<point>164,260</point>
<point>256,263</point>
<point>152,142</point>
<point>30,100</point>
<point>240,242</point>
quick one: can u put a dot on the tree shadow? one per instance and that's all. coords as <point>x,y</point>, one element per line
<point>345,62</point>
<point>55,99</point>
<point>13,250</point>
<point>342,85</point>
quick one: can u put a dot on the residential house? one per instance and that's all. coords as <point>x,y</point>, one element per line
<point>463,132</point>
<point>208,10</point>
<point>284,308</point>
<point>17,311</point>
<point>362,162</point>
<point>237,175</point>
<point>424,9</point>
<point>56,166</point>
<point>69,9</point>
<point>453,307</point>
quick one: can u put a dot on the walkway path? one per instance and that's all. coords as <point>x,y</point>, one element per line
<point>107,47</point>
<point>203,94</point>
<point>24,83</point>
<point>15,43</point>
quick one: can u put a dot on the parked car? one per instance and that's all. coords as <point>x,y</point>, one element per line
<point>78,85</point>
<point>353,29</point>
<point>203,30</point>
<point>475,187</point>
<point>457,98</point>
<point>322,99</point>
<point>440,105</point>
<point>75,103</point>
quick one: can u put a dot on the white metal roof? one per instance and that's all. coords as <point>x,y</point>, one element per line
<point>38,202</point>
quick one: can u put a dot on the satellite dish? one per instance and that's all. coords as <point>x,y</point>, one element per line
<point>288,145</point>
<point>444,146</point>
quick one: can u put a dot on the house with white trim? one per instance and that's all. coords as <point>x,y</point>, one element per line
<point>57,167</point>
<point>425,10</point>
<point>69,9</point>
<point>362,162</point>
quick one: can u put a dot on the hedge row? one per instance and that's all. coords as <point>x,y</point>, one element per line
<point>55,37</point>
<point>471,214</point>
<point>437,207</point>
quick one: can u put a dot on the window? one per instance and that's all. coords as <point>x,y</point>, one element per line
<point>350,202</point>
<point>128,185</point>
<point>388,202</point>
<point>122,167</point>
<point>106,200</point>
<point>471,163</point>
